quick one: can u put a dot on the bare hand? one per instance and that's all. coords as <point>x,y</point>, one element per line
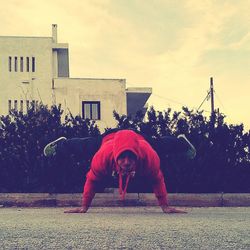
<point>77,210</point>
<point>171,210</point>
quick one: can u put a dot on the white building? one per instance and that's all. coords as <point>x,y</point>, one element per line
<point>36,69</point>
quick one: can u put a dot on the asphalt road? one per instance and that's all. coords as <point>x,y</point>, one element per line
<point>125,228</point>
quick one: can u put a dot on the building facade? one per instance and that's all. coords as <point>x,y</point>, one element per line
<point>36,69</point>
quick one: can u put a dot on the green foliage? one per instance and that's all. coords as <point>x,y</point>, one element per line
<point>222,163</point>
<point>23,167</point>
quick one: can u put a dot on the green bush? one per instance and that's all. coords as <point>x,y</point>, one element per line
<point>22,139</point>
<point>222,163</point>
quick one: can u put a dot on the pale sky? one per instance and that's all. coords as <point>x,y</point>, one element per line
<point>173,46</point>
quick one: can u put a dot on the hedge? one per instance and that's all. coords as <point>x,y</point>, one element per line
<point>222,163</point>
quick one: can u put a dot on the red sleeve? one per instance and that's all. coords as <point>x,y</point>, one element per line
<point>155,174</point>
<point>159,188</point>
<point>98,171</point>
<point>89,189</point>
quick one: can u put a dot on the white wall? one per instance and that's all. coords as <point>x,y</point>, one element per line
<point>37,84</point>
<point>70,92</point>
<point>67,91</point>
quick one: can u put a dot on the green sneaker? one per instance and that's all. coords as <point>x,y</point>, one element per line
<point>50,149</point>
<point>191,152</point>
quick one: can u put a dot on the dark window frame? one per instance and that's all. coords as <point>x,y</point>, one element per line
<point>21,106</point>
<point>27,64</point>
<point>15,105</point>
<point>27,105</point>
<point>10,62</point>
<point>21,64</point>
<point>15,64</point>
<point>33,64</point>
<point>91,103</point>
<point>9,106</point>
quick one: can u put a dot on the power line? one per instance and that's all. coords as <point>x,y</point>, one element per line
<point>220,101</point>
<point>168,99</point>
<point>206,98</point>
<point>210,94</point>
<point>171,100</point>
<point>175,101</point>
<point>162,97</point>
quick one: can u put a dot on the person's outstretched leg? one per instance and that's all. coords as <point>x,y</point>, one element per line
<point>81,148</point>
<point>51,148</point>
<point>191,151</point>
<point>176,145</point>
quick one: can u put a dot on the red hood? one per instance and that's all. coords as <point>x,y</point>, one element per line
<point>125,140</point>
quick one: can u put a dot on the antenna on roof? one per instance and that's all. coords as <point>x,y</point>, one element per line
<point>54,33</point>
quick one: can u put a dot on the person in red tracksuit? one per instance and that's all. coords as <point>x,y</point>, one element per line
<point>126,154</point>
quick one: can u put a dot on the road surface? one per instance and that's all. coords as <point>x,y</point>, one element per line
<point>125,228</point>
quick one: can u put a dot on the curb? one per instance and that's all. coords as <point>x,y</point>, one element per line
<point>131,199</point>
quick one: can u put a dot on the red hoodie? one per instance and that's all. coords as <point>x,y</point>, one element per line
<point>104,164</point>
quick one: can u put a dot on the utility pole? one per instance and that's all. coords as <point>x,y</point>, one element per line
<point>212,100</point>
<point>212,94</point>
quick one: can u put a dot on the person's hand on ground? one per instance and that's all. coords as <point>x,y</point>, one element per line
<point>171,210</point>
<point>77,210</point>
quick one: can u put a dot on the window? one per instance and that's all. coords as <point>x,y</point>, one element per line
<point>37,105</point>
<point>9,106</point>
<point>15,105</point>
<point>33,64</point>
<point>21,64</point>
<point>9,63</point>
<point>21,106</point>
<point>27,64</point>
<point>33,104</point>
<point>15,64</point>
<point>91,110</point>
<point>27,105</point>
